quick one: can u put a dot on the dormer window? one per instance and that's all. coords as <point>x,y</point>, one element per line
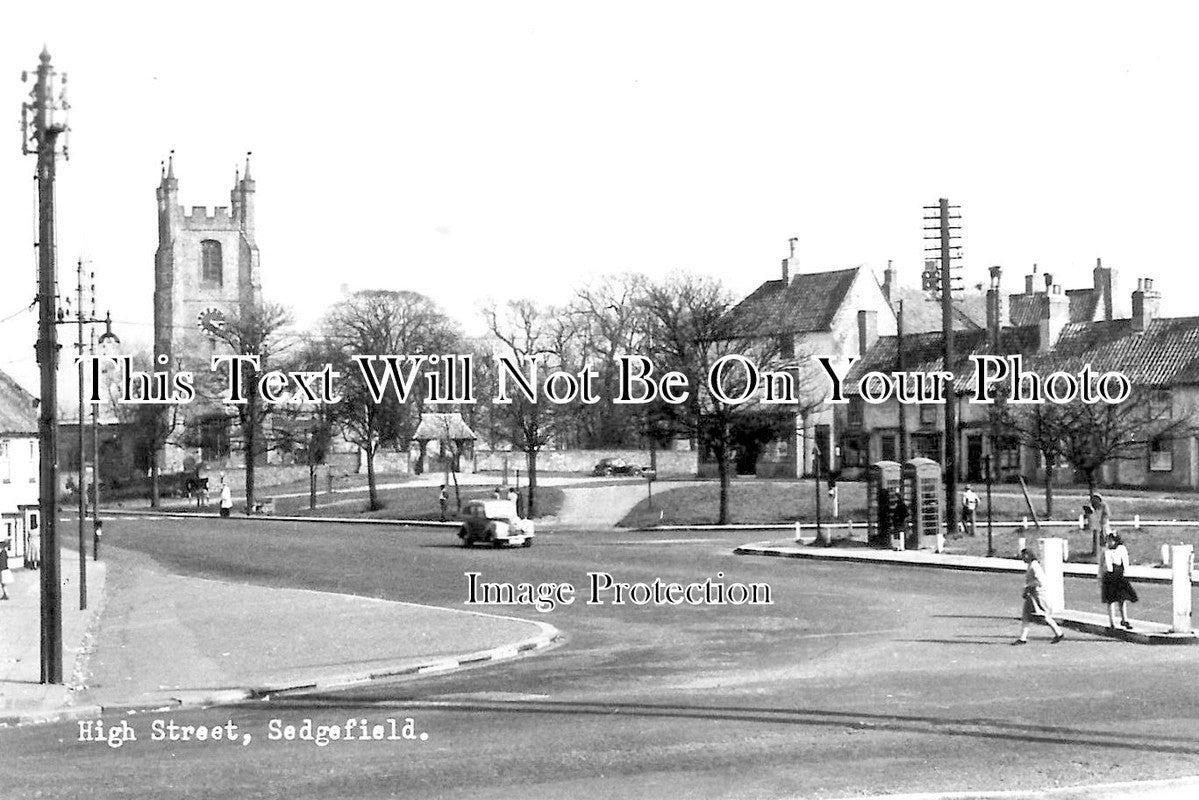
<point>211,270</point>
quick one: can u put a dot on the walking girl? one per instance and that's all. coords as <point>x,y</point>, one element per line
<point>1034,600</point>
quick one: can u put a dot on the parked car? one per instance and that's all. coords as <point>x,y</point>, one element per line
<point>494,521</point>
<point>616,466</point>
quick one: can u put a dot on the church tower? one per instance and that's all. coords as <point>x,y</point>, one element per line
<point>206,268</point>
<point>205,262</point>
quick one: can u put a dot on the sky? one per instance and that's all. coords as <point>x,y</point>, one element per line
<point>480,150</point>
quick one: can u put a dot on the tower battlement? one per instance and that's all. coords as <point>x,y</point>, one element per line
<point>200,219</point>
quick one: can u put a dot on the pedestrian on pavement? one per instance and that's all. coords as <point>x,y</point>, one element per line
<point>1100,522</point>
<point>498,493</point>
<point>1034,600</point>
<point>899,514</point>
<point>5,573</point>
<point>226,500</point>
<point>517,502</point>
<point>443,500</point>
<point>969,510</point>
<point>1115,587</point>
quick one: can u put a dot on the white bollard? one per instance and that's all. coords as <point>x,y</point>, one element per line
<point>1165,555</point>
<point>1024,523</point>
<point>940,541</point>
<point>850,524</point>
<point>1055,587</point>
<point>899,541</point>
<point>1181,556</point>
<point>1065,550</point>
<point>1082,522</point>
<point>797,533</point>
<point>1136,521</point>
<point>1020,545</point>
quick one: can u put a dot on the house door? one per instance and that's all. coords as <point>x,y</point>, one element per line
<point>974,458</point>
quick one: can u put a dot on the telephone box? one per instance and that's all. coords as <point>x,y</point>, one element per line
<point>925,495</point>
<point>881,476</point>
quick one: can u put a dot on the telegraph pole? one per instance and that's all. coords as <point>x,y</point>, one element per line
<point>82,452</point>
<point>943,232</point>
<point>902,449</point>
<point>43,122</point>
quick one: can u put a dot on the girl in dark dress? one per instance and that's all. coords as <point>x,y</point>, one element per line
<point>1115,587</point>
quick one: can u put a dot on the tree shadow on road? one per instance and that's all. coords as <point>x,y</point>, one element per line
<point>977,728</point>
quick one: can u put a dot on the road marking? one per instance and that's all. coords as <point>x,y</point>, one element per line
<point>845,633</point>
<point>670,541</point>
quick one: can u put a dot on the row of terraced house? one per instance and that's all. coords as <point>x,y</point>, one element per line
<point>850,313</point>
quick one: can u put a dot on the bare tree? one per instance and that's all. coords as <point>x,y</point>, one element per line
<point>690,330</point>
<point>527,330</point>
<point>1043,427</point>
<point>607,320</point>
<point>154,425</point>
<point>309,427</point>
<point>257,331</point>
<point>1099,433</point>
<point>379,323</point>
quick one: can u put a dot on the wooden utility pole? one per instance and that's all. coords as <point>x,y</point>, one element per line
<point>43,122</point>
<point>902,449</point>
<point>943,232</point>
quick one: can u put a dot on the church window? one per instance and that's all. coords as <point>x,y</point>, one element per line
<point>211,270</point>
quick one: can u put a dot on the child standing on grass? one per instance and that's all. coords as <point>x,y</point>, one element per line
<point>5,573</point>
<point>1034,600</point>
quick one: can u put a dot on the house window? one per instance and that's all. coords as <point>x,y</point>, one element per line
<point>1161,455</point>
<point>855,412</point>
<point>1009,453</point>
<point>1160,405</point>
<point>888,447</point>
<point>928,414</point>
<point>853,451</point>
<point>211,270</point>
<point>927,445</point>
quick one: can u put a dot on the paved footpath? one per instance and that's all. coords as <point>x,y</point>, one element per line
<point>1144,632</point>
<point>164,640</point>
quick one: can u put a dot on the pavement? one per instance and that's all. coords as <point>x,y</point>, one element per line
<point>1143,631</point>
<point>153,640</point>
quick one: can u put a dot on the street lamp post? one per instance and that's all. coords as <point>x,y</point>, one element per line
<point>107,337</point>
<point>44,127</point>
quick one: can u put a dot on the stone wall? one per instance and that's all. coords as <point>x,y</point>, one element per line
<point>671,463</point>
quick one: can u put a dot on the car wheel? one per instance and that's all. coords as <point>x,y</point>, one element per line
<point>497,542</point>
<point>528,543</point>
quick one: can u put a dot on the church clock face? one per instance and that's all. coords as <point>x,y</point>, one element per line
<point>211,321</point>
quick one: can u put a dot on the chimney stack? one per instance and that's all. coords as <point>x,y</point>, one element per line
<point>1105,290</point>
<point>888,281</point>
<point>996,311</point>
<point>867,330</point>
<point>790,261</point>
<point>1055,313</point>
<point>1145,301</point>
<point>1030,281</point>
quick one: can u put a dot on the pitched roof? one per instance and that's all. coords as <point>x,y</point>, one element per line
<point>1026,309</point>
<point>922,314</point>
<point>435,426</point>
<point>807,304</point>
<point>923,352</point>
<point>1166,353</point>
<point>17,413</point>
